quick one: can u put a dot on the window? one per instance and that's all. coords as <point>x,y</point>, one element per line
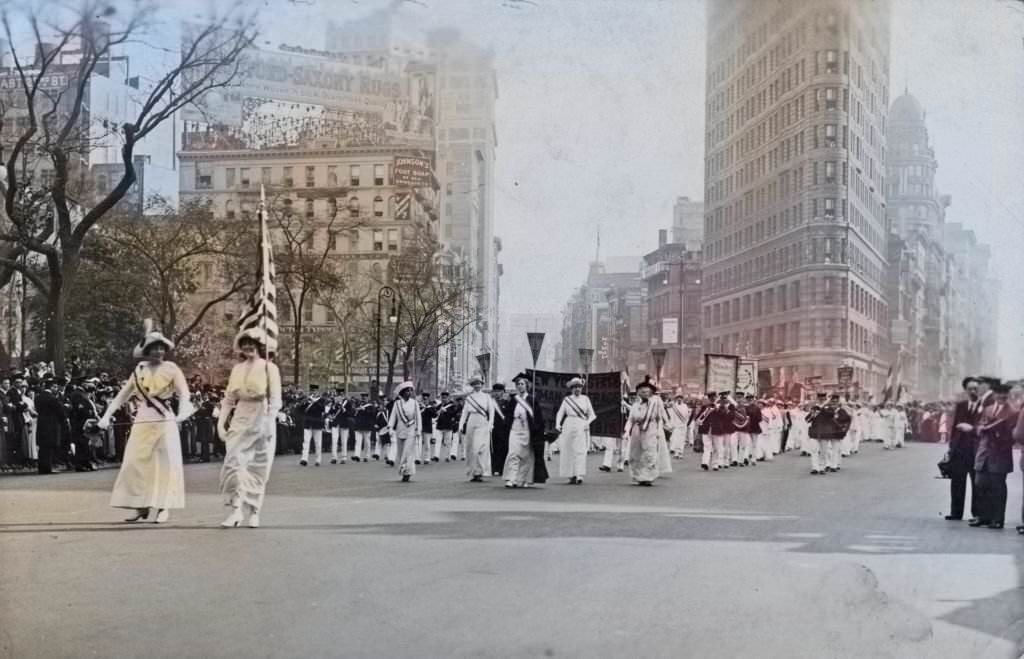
<point>288,180</point>
<point>286,313</point>
<point>830,172</point>
<point>830,208</point>
<point>310,209</point>
<point>794,294</point>
<point>378,206</point>
<point>265,175</point>
<point>831,97</point>
<point>378,174</point>
<point>229,177</point>
<point>830,291</point>
<point>353,206</point>
<point>378,240</point>
<point>229,209</point>
<point>204,176</point>
<point>830,135</point>
<point>392,240</point>
<point>353,176</point>
<point>829,244</point>
<point>831,61</point>
<point>353,240</point>
<point>310,176</point>
<point>287,207</point>
<point>307,313</point>
<point>244,176</point>
<point>332,176</point>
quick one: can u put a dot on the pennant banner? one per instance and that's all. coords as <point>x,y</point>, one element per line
<point>536,340</point>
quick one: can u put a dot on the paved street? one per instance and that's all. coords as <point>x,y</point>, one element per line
<point>351,563</point>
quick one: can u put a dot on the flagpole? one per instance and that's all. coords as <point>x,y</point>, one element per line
<point>264,266</point>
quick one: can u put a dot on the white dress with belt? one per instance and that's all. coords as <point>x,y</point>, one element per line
<point>252,400</point>
<point>151,474</point>
<point>573,423</point>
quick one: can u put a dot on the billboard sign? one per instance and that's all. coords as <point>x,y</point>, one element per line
<point>670,331</point>
<point>603,389</point>
<point>412,172</point>
<point>720,372</point>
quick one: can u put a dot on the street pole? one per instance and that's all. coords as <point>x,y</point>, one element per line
<point>384,292</point>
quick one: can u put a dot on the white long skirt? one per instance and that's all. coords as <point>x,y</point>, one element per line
<point>644,454</point>
<point>478,446</point>
<point>251,443</point>
<point>151,473</point>
<point>664,459</point>
<point>519,463</point>
<point>574,440</point>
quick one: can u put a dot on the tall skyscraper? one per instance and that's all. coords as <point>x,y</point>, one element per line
<point>795,229</point>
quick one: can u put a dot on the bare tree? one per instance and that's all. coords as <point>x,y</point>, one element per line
<point>191,262</point>
<point>436,302</point>
<point>52,221</point>
<point>304,245</point>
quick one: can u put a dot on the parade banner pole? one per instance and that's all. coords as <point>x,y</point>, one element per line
<point>536,340</point>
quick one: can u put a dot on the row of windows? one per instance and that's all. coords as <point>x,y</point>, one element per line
<point>821,333</point>
<point>313,176</point>
<point>786,297</point>
<point>312,208</point>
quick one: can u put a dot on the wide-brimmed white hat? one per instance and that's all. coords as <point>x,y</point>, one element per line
<point>150,337</point>
<point>476,379</point>
<point>255,333</point>
<point>402,387</point>
<point>575,382</point>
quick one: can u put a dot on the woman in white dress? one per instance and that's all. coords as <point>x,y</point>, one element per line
<point>643,429</point>
<point>406,426</point>
<point>573,425</point>
<point>248,424</point>
<point>151,474</point>
<point>527,427</point>
<point>475,425</point>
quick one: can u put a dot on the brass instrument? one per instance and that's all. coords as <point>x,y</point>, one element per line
<point>739,417</point>
<point>704,415</point>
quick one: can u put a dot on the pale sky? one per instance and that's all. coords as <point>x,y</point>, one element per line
<point>600,122</point>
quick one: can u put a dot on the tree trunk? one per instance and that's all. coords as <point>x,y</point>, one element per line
<point>61,273</point>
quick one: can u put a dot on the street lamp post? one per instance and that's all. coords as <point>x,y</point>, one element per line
<point>658,354</point>
<point>385,292</point>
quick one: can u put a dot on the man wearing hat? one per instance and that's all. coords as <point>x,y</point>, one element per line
<point>448,413</point>
<point>828,425</point>
<point>341,412</point>
<point>572,422</point>
<point>994,458</point>
<point>477,422</point>
<point>616,449</point>
<point>52,422</point>
<point>314,415</point>
<point>365,417</point>
<point>405,426</point>
<point>644,436</point>
<point>428,412</point>
<point>83,409</point>
<point>963,446</point>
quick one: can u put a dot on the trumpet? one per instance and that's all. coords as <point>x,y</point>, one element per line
<point>704,415</point>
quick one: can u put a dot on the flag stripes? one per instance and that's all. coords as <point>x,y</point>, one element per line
<point>261,312</point>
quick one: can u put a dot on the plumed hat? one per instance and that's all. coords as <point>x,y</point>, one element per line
<point>150,337</point>
<point>575,382</point>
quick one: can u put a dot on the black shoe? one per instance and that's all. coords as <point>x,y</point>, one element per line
<point>625,463</point>
<point>978,522</point>
<point>390,463</point>
<point>355,458</point>
<point>477,479</point>
<point>572,481</point>
<point>815,472</point>
<point>303,463</point>
<point>704,467</point>
<point>418,462</point>
<point>645,483</point>
<point>604,468</point>
<point>734,464</point>
<point>954,518</point>
<point>334,461</point>
<point>1020,530</point>
<point>435,459</point>
<point>405,478</point>
<point>376,457</point>
<point>998,526</point>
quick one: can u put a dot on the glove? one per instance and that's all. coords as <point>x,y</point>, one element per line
<point>103,423</point>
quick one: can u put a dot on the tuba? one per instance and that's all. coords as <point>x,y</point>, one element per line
<point>739,417</point>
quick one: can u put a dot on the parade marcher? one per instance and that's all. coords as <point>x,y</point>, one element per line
<point>679,420</point>
<point>798,428</point>
<point>643,432</point>
<point>1018,436</point>
<point>476,424</point>
<point>314,418</point>
<point>366,417</point>
<point>502,427</point>
<point>341,413</point>
<point>406,425</point>
<point>52,422</point>
<point>828,425</point>
<point>384,443</point>
<point>447,423</point>
<point>248,424</point>
<point>151,474</point>
<point>428,412</point>
<point>994,458</point>
<point>963,446</point>
<point>722,422</point>
<point>886,415</point>
<point>703,431</point>
<point>616,449</point>
<point>527,428</point>
<point>572,422</point>
<point>747,434</point>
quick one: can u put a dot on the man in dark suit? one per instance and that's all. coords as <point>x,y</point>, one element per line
<point>994,458</point>
<point>52,422</point>
<point>962,447</point>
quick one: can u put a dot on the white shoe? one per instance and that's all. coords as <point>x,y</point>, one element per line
<point>254,521</point>
<point>232,520</point>
<point>162,516</point>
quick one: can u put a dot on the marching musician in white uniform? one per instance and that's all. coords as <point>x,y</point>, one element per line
<point>406,427</point>
<point>252,400</point>
<point>643,432</point>
<point>573,423</point>
<point>151,474</point>
<point>476,425</point>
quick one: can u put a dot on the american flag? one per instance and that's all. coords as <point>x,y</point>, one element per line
<point>260,317</point>
<point>893,385</point>
<point>402,206</point>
